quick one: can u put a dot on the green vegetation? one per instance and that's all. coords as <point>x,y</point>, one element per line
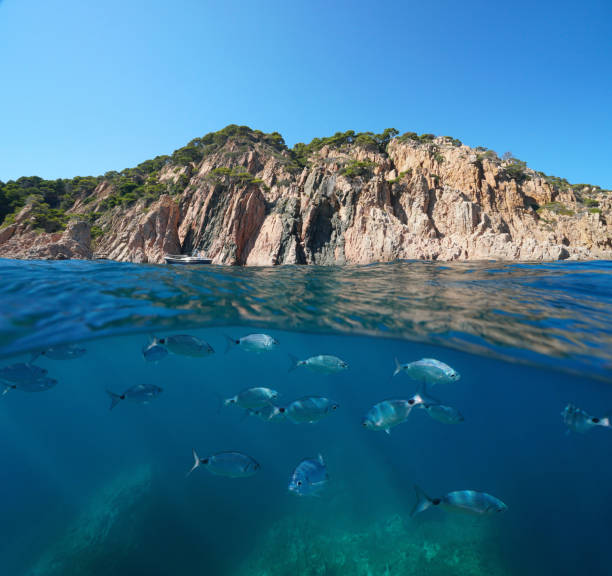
<point>50,199</point>
<point>590,202</point>
<point>453,141</point>
<point>484,154</point>
<point>401,175</point>
<point>438,156</point>
<point>515,169</point>
<point>236,174</point>
<point>422,139</point>
<point>368,140</point>
<point>358,169</point>
<point>556,208</point>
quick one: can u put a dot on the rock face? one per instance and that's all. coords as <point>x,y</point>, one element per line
<point>248,203</point>
<point>20,241</point>
<point>143,235</point>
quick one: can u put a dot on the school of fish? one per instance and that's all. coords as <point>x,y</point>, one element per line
<point>310,475</point>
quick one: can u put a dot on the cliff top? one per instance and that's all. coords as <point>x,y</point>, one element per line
<point>54,202</point>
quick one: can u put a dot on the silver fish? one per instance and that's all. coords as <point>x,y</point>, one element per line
<point>154,351</point>
<point>309,477</point>
<point>25,377</point>
<point>310,409</point>
<point>389,413</point>
<point>22,372</point>
<point>269,413</point>
<point>38,385</point>
<point>324,364</point>
<point>60,352</point>
<point>427,370</point>
<point>140,393</point>
<point>252,398</point>
<point>580,421</point>
<point>470,501</point>
<point>444,414</point>
<point>229,464</point>
<point>186,345</point>
<point>252,343</point>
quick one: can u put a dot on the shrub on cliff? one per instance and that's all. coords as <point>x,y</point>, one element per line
<point>556,208</point>
<point>422,139</point>
<point>368,140</point>
<point>357,169</point>
<point>515,169</point>
<point>57,194</point>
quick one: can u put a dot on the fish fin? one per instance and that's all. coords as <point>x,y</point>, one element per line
<point>230,343</point>
<point>295,362</point>
<point>320,459</point>
<point>6,389</point>
<point>425,397</point>
<point>35,355</point>
<point>398,367</point>
<point>422,502</point>
<point>115,399</point>
<point>388,431</point>
<point>196,462</point>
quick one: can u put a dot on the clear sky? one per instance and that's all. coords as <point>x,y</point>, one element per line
<point>89,86</point>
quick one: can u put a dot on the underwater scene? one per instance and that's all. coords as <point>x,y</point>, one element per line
<point>393,419</point>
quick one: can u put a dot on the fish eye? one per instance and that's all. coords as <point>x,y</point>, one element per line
<point>595,420</point>
<point>334,406</point>
<point>299,482</point>
<point>411,401</point>
<point>281,410</point>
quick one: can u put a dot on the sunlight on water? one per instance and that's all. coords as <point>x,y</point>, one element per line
<point>100,491</point>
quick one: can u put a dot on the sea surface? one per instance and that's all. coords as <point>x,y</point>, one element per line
<point>91,491</point>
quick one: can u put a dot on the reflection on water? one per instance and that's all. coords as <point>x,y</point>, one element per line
<point>558,313</point>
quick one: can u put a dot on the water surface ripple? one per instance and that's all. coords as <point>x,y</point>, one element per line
<point>558,314</point>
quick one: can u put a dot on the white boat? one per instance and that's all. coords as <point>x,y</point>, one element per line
<point>185,259</point>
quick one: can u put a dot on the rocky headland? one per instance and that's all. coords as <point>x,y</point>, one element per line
<point>243,198</point>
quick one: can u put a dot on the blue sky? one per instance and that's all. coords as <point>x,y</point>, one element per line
<point>87,87</point>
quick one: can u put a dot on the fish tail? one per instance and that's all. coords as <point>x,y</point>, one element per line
<point>196,462</point>
<point>422,502</point>
<point>115,399</point>
<point>295,362</point>
<point>398,367</point>
<point>230,343</point>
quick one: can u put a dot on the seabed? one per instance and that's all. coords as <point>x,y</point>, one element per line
<point>452,545</point>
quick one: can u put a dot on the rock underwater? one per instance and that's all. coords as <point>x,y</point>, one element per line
<point>390,547</point>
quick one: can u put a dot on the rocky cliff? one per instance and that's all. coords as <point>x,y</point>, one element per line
<point>244,198</point>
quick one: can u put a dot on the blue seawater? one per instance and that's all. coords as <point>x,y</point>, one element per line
<point>90,491</point>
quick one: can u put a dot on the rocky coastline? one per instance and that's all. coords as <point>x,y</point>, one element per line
<point>246,199</point>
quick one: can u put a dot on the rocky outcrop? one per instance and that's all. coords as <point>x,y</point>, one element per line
<point>20,241</point>
<point>143,235</point>
<point>248,203</point>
